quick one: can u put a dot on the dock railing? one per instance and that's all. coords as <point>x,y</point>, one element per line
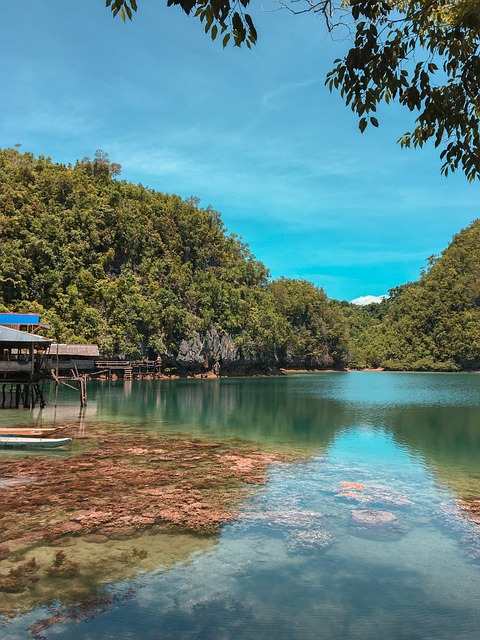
<point>135,366</point>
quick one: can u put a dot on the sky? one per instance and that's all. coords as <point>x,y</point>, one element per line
<point>253,133</point>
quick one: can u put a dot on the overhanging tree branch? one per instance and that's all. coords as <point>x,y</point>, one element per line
<point>388,39</point>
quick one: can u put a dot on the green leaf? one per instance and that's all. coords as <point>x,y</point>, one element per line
<point>237,22</point>
<point>253,31</point>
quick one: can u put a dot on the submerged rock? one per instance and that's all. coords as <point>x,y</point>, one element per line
<point>120,486</point>
<point>62,567</point>
<point>309,539</point>
<point>463,517</point>
<point>373,518</point>
<point>96,538</point>
<point>373,494</point>
<point>19,577</point>
<point>377,525</point>
<point>303,529</point>
<point>472,509</point>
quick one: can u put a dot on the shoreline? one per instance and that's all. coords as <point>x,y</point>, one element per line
<point>210,375</point>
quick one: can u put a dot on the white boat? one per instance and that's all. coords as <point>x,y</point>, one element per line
<point>42,443</point>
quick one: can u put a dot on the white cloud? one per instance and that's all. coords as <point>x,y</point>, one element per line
<point>274,98</point>
<point>363,300</point>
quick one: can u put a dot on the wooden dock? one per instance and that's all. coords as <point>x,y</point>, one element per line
<point>128,369</point>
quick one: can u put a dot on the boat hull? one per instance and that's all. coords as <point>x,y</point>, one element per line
<point>30,443</point>
<point>26,433</point>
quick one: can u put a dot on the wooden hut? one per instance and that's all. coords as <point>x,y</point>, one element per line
<point>21,355</point>
<point>72,357</point>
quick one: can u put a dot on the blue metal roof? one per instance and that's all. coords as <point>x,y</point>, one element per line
<point>19,318</point>
<point>14,336</point>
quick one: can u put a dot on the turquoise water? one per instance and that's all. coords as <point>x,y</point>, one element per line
<point>301,562</point>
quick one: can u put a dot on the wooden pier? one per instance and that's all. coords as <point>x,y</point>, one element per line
<point>129,369</point>
<point>76,382</point>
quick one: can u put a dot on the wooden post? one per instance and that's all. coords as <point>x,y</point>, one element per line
<point>56,380</point>
<point>82,388</point>
<point>26,395</point>
<point>80,385</point>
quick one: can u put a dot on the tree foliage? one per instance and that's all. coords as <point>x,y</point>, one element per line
<point>422,53</point>
<point>317,329</point>
<point>222,18</point>
<point>434,323</point>
<point>138,271</point>
<point>426,55</point>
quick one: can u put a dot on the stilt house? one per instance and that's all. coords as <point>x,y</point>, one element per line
<point>21,355</point>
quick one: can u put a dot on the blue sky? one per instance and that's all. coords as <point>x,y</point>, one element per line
<point>255,134</point>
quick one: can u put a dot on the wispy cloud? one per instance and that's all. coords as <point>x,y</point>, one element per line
<point>47,118</point>
<point>275,97</point>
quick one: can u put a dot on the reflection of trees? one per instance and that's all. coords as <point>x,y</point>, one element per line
<point>267,410</point>
<point>292,411</point>
<point>86,611</point>
<point>447,437</point>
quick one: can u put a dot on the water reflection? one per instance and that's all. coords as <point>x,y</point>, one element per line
<point>75,569</point>
<point>434,416</point>
<point>308,557</point>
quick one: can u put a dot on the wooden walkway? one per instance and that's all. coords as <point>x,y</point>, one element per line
<point>129,368</point>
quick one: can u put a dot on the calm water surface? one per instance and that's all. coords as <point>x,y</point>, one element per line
<point>301,562</point>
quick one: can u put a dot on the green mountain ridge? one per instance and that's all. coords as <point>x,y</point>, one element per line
<point>144,273</point>
<point>433,323</point>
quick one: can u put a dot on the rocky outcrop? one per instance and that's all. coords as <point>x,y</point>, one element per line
<point>217,352</point>
<point>324,361</point>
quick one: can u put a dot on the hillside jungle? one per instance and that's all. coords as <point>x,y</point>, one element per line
<point>147,274</point>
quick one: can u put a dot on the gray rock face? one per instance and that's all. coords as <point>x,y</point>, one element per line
<point>191,353</point>
<point>216,351</point>
<point>213,351</point>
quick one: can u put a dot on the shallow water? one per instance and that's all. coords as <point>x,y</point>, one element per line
<point>360,538</point>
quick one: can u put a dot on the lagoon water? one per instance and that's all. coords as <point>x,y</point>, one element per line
<point>303,560</point>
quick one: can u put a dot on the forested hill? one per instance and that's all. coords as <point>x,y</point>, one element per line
<point>144,273</point>
<point>431,324</point>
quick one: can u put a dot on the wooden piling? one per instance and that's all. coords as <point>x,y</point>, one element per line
<point>82,388</point>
